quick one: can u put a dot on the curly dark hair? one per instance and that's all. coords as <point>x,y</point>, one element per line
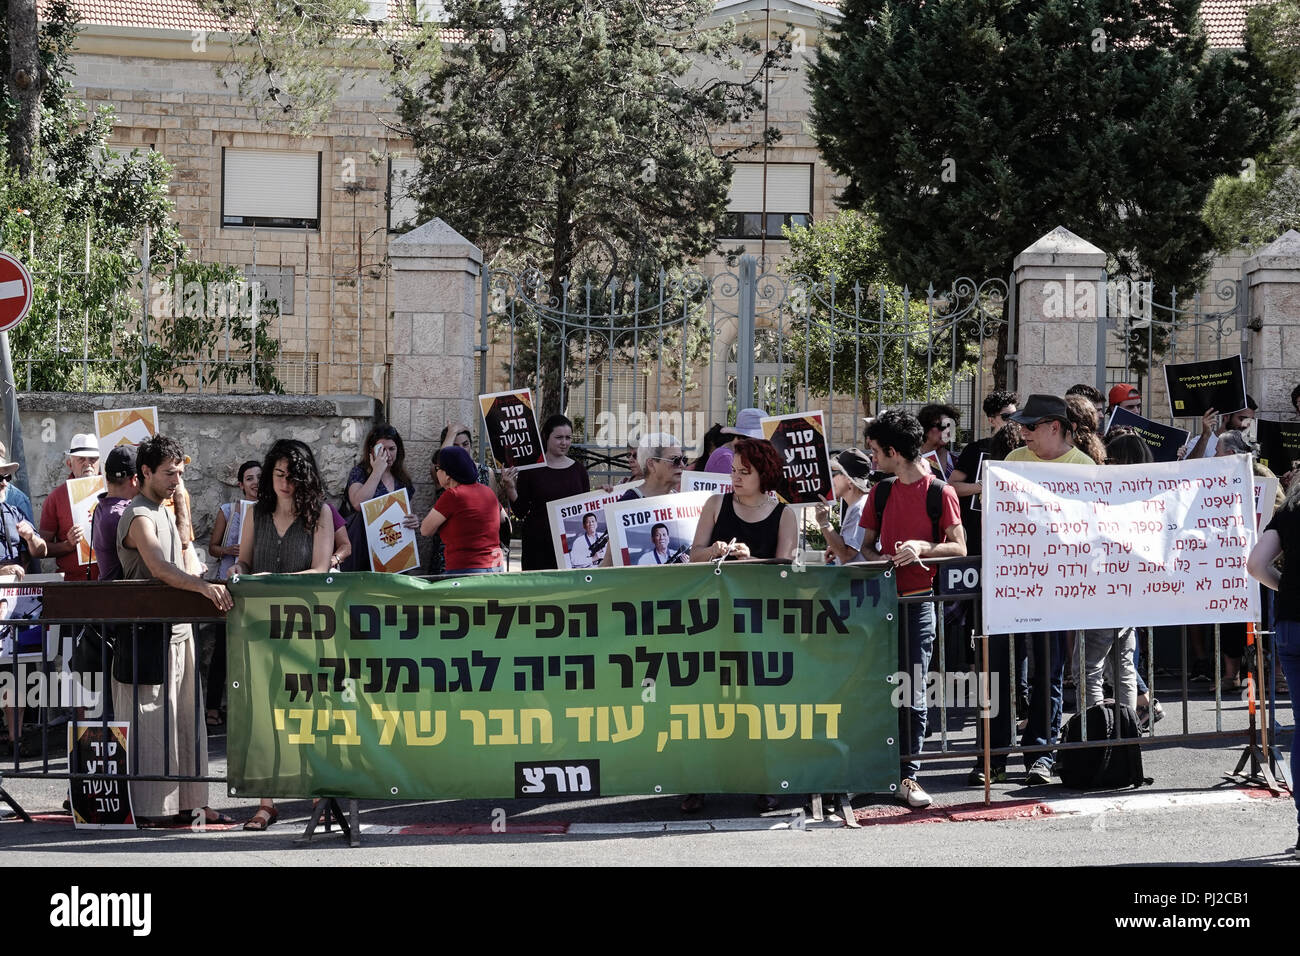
<point>897,430</point>
<point>762,458</point>
<point>398,470</point>
<point>308,493</point>
<point>997,400</point>
<point>1004,441</point>
<point>1083,424</point>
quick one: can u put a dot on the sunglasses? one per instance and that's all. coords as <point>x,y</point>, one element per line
<point>5,479</point>
<point>677,461</point>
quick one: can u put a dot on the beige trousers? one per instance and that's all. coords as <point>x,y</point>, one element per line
<point>186,736</point>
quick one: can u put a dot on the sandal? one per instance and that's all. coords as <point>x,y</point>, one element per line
<point>214,718</point>
<point>263,818</point>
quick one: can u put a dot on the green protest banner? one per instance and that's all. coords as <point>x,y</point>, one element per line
<point>746,678</point>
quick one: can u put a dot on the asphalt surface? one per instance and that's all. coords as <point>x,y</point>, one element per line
<point>1166,825</point>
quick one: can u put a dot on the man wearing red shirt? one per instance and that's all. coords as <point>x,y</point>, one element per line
<point>905,533</point>
<point>57,528</point>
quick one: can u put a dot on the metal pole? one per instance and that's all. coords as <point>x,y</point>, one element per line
<point>745,333</point>
<point>12,421</point>
<point>144,315</point>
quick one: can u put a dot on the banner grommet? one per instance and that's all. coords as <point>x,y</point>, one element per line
<point>658,789</point>
<point>394,791</point>
<point>785,784</point>
<point>235,684</point>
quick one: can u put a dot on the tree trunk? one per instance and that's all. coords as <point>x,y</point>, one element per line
<point>24,84</point>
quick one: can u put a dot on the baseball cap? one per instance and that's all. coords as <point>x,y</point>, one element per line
<point>1119,394</point>
<point>120,464</point>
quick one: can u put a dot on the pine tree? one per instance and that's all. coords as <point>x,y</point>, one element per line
<point>972,127</point>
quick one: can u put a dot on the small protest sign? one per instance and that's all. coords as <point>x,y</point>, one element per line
<point>124,426</point>
<point>512,430</point>
<point>800,440</point>
<point>578,529</point>
<point>1279,444</point>
<point>100,804</point>
<point>1196,387</point>
<point>83,496</point>
<point>392,544</point>
<point>652,531</point>
<point>714,483</point>
<point>1163,440</point>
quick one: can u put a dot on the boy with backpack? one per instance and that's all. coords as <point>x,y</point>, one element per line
<point>909,517</point>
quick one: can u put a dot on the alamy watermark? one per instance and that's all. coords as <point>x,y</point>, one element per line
<point>1077,298</point>
<point>624,427</point>
<point>223,299</point>
<point>30,686</point>
<point>955,689</point>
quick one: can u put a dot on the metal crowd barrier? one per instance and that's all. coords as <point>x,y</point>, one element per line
<point>75,605</point>
<point>67,609</point>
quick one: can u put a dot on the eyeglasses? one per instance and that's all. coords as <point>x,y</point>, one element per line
<point>5,479</point>
<point>677,461</point>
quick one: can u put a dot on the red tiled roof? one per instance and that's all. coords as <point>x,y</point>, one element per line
<point>1225,20</point>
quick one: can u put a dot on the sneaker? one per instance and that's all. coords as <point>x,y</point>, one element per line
<point>976,778</point>
<point>1040,772</point>
<point>910,792</point>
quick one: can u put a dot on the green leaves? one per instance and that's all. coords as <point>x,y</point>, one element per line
<point>1111,118</point>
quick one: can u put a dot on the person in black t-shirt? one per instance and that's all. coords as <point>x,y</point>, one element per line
<point>1282,537</point>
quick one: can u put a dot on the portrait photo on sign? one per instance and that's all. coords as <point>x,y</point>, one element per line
<point>800,441</point>
<point>578,528</point>
<point>511,422</point>
<point>654,531</point>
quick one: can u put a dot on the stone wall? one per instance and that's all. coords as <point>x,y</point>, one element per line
<point>217,432</point>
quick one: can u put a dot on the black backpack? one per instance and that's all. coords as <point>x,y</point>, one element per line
<point>1102,768</point>
<point>933,504</point>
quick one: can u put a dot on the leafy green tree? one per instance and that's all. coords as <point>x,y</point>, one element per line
<point>77,221</point>
<point>972,128</point>
<point>1262,200</point>
<point>859,333</point>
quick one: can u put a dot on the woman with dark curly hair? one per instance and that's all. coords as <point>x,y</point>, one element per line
<point>292,532</point>
<point>745,522</point>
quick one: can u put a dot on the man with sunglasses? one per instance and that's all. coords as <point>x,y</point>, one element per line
<point>1045,425</point>
<point>19,541</point>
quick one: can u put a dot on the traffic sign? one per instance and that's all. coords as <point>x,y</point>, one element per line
<point>15,292</point>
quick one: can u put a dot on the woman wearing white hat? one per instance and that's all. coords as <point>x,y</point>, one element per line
<point>749,424</point>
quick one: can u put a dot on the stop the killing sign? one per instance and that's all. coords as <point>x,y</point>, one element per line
<point>15,292</point>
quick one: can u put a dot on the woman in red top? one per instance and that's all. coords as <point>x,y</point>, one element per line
<point>467,516</point>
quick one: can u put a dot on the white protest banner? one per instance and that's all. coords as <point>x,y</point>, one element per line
<point>1075,546</point>
<point>83,496</point>
<point>124,426</point>
<point>715,483</point>
<point>800,441</point>
<point>656,530</point>
<point>578,530</point>
<point>391,544</point>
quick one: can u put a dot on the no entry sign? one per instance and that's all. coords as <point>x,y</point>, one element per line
<point>15,292</point>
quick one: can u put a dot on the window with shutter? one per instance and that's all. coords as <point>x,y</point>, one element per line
<point>270,187</point>
<point>789,199</point>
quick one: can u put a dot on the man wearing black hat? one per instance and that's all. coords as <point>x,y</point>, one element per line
<point>1045,425</point>
<point>119,473</point>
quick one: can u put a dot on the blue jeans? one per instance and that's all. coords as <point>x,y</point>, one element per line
<point>1046,695</point>
<point>1287,642</point>
<point>915,658</point>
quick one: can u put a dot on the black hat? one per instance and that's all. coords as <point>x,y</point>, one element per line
<point>120,464</point>
<point>457,463</point>
<point>1041,408</point>
<point>856,467</point>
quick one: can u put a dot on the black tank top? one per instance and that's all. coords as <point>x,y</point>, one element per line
<point>761,536</point>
